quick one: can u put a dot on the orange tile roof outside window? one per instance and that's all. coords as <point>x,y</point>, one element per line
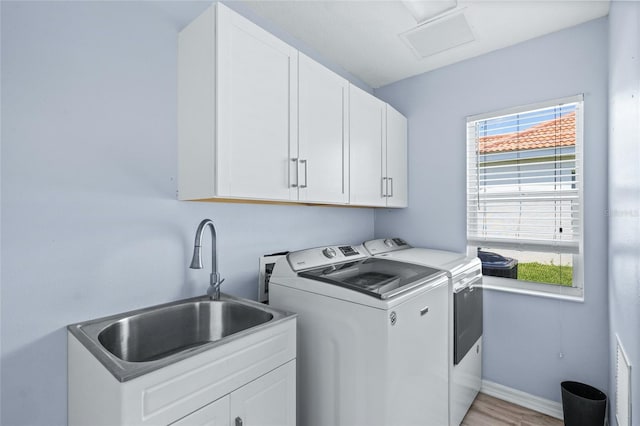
<point>549,134</point>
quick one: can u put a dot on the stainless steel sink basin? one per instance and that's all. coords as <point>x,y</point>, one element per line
<point>138,342</point>
<point>163,332</point>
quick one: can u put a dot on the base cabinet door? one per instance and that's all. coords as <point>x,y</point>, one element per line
<point>214,414</point>
<point>267,401</point>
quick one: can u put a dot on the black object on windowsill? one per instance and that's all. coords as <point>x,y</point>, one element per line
<point>496,265</point>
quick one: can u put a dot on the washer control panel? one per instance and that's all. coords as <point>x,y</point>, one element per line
<point>349,251</point>
<point>329,253</point>
<point>324,256</point>
<point>385,245</point>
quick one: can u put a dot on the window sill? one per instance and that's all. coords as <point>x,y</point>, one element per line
<point>550,291</point>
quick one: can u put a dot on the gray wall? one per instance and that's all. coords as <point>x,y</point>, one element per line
<point>90,221</point>
<point>624,191</point>
<point>524,335</point>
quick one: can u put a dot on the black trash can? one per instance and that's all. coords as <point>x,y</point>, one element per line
<point>583,405</point>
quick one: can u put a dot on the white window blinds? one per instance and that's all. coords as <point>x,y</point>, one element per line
<point>524,178</point>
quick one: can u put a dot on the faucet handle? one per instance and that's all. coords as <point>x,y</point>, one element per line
<point>215,278</point>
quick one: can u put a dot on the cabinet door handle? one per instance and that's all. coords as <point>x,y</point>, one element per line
<point>391,181</point>
<point>295,161</point>
<point>424,311</point>
<point>305,173</point>
<point>383,189</point>
<point>238,421</point>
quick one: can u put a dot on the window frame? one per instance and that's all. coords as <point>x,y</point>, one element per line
<point>576,291</point>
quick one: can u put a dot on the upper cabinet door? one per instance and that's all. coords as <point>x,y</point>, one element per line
<point>256,110</point>
<point>322,173</point>
<point>366,133</point>
<point>396,159</point>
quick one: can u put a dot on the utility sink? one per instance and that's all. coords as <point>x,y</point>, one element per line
<point>160,333</point>
<point>135,343</point>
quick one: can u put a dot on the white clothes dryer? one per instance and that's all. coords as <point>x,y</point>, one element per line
<point>465,319</point>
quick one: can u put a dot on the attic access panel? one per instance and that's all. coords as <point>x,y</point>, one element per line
<point>439,35</point>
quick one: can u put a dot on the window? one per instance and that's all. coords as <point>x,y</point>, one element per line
<point>524,196</point>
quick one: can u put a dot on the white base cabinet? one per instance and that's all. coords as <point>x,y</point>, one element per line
<point>214,414</point>
<point>251,379</point>
<point>267,401</point>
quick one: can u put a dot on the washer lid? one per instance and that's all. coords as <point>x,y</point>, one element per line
<point>376,277</point>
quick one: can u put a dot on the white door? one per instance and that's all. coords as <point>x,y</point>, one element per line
<point>256,111</point>
<point>322,159</point>
<point>269,400</point>
<point>214,414</point>
<point>366,132</point>
<point>396,151</point>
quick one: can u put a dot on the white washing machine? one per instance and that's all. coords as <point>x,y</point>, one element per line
<point>372,337</point>
<point>465,320</point>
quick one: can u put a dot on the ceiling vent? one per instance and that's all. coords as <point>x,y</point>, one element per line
<point>438,35</point>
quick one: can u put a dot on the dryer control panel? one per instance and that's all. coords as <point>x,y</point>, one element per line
<point>325,256</point>
<point>385,245</point>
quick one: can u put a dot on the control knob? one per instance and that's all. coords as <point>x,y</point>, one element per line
<point>329,253</point>
<point>388,243</point>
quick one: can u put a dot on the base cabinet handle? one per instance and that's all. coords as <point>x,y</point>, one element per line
<point>238,421</point>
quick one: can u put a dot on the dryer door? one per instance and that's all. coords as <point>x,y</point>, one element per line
<point>467,323</point>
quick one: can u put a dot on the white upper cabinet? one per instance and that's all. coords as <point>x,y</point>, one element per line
<point>366,140</point>
<point>257,120</point>
<point>378,144</point>
<point>237,118</point>
<point>257,97</point>
<point>396,159</point>
<point>321,163</point>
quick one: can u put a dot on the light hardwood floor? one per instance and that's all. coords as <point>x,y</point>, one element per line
<point>489,411</point>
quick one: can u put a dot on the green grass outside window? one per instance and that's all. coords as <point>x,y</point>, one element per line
<point>549,274</point>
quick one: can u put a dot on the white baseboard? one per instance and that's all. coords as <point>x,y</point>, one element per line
<point>545,406</point>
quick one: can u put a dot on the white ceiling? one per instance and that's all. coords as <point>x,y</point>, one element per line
<point>362,36</point>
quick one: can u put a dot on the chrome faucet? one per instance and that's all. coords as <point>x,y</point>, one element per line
<point>196,262</point>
